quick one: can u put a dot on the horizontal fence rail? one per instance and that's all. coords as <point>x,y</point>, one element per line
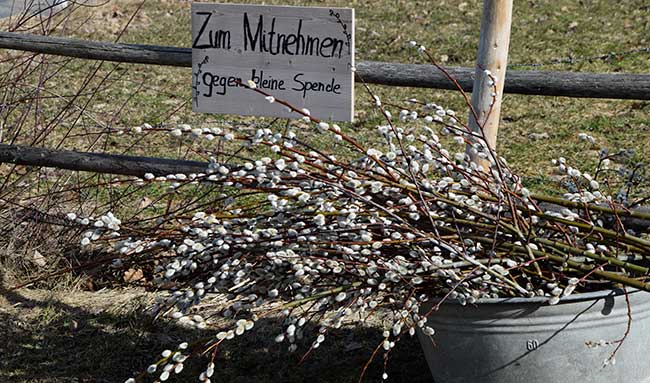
<point>546,83</point>
<point>97,162</point>
<point>139,166</point>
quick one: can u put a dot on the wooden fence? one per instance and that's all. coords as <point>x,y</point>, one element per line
<point>596,85</point>
<point>545,83</point>
<point>568,84</point>
<point>97,162</point>
<point>138,166</point>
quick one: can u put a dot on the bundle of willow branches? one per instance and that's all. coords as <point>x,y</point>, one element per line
<point>322,240</point>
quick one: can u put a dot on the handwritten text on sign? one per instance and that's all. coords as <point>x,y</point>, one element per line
<point>303,55</point>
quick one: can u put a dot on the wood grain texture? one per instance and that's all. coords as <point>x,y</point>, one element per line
<point>301,55</point>
<point>492,57</point>
<point>544,83</point>
<point>98,50</point>
<point>97,162</point>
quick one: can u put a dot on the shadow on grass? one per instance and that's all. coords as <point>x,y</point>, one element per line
<point>51,341</point>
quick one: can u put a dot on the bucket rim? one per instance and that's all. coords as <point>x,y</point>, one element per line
<point>594,295</point>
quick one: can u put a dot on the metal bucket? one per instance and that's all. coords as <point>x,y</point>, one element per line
<point>526,340</point>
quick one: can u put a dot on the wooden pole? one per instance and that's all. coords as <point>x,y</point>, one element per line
<point>633,86</point>
<point>98,162</point>
<point>490,71</point>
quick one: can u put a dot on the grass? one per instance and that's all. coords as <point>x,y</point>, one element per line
<point>72,335</point>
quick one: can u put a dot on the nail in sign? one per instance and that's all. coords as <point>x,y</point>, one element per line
<point>303,55</point>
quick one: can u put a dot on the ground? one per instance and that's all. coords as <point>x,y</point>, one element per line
<point>103,336</point>
<point>62,333</point>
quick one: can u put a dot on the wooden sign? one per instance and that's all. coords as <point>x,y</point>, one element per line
<point>302,55</point>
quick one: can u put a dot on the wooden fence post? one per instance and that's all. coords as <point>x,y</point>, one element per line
<point>492,57</point>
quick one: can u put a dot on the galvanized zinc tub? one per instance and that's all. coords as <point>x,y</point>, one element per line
<point>525,340</point>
